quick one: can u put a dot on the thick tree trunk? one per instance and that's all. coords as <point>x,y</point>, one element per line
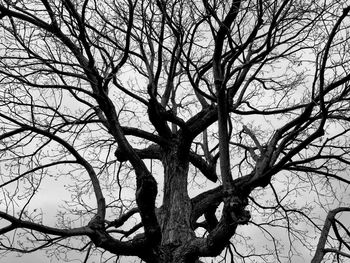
<point>176,210</point>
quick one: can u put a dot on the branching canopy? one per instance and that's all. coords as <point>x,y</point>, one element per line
<point>175,131</point>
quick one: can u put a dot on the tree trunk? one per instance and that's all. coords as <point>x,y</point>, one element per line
<point>176,210</point>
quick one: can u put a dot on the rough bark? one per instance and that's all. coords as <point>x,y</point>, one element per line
<point>176,210</point>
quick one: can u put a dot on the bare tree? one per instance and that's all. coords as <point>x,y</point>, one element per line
<point>174,131</point>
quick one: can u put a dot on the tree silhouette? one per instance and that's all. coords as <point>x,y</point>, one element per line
<point>175,131</point>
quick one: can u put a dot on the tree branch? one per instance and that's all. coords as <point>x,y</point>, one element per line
<point>321,246</point>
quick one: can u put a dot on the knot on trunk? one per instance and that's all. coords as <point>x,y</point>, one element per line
<point>235,206</point>
<point>96,223</point>
<point>120,154</point>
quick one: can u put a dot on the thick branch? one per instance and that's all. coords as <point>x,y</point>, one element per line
<point>201,202</point>
<point>17,223</point>
<point>222,99</point>
<point>201,120</point>
<point>146,184</point>
<point>321,246</point>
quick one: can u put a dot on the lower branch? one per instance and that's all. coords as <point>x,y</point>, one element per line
<point>146,194</point>
<point>18,223</point>
<point>98,235</point>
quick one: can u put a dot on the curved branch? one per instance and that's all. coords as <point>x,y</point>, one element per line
<point>101,206</point>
